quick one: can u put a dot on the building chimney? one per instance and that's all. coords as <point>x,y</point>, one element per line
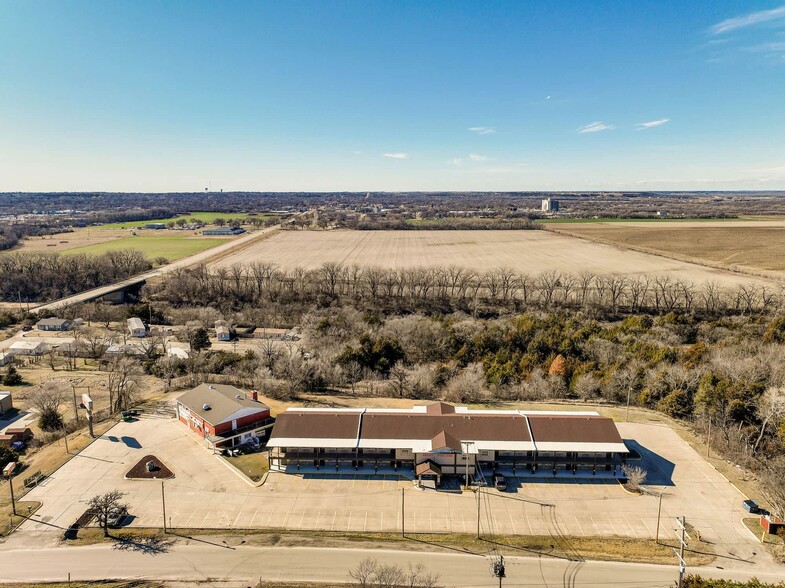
<point>255,395</point>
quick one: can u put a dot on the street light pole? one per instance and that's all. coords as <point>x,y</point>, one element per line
<point>8,471</point>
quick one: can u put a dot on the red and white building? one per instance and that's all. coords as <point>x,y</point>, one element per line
<point>224,416</point>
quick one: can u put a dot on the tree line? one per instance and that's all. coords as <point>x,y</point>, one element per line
<point>32,277</point>
<point>456,288</point>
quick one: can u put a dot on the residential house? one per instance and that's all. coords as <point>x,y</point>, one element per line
<point>222,331</point>
<point>53,324</point>
<point>29,348</point>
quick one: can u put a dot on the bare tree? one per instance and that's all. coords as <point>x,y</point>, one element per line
<point>125,376</point>
<point>103,506</point>
<point>46,399</point>
<point>399,378</point>
<point>369,573</point>
<point>636,477</point>
<point>771,408</point>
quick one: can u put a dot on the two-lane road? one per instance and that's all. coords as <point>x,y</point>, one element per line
<point>208,558</point>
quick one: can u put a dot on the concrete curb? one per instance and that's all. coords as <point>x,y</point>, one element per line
<point>240,474</point>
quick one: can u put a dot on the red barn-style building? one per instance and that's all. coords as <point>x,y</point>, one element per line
<point>224,416</point>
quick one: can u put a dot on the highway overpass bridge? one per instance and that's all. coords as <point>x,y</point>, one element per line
<point>116,292</point>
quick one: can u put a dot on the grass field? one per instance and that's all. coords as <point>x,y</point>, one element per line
<point>205,217</point>
<point>170,246</point>
<point>532,252</point>
<point>751,244</point>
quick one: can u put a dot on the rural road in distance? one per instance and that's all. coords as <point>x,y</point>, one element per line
<point>200,257</point>
<point>203,560</point>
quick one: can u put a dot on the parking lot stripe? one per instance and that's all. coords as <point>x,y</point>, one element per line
<point>332,525</point>
<point>579,526</point>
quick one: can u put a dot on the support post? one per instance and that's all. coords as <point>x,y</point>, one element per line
<point>682,566</point>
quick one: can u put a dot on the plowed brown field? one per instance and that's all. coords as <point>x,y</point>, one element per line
<point>532,252</point>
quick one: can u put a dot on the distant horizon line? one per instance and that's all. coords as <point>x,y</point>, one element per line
<point>683,191</point>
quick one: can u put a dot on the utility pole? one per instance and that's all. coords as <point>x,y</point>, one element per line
<point>659,512</point>
<point>478,512</point>
<point>627,416</point>
<point>76,411</point>
<point>163,504</point>
<point>708,439</point>
<point>8,471</point>
<point>403,512</point>
<point>682,522</point>
<point>65,438</point>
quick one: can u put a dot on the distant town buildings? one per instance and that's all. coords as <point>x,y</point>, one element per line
<point>550,205</point>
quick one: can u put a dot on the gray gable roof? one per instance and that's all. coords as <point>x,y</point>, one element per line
<point>222,400</point>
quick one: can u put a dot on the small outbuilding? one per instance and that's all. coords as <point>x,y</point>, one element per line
<point>6,402</point>
<point>53,324</point>
<point>136,327</point>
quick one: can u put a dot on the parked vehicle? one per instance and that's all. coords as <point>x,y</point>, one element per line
<point>751,506</point>
<point>499,482</point>
<point>116,518</point>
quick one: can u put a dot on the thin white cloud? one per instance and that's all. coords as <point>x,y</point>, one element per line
<point>748,20</point>
<point>456,161</point>
<point>397,155</point>
<point>482,130</point>
<point>651,124</point>
<point>477,157</point>
<point>596,127</point>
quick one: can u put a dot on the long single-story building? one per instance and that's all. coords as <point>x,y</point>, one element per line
<point>224,416</point>
<point>440,439</point>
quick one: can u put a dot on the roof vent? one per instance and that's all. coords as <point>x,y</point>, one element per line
<point>211,387</point>
<point>205,407</point>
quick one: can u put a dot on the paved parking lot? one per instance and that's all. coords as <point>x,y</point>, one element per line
<point>207,493</point>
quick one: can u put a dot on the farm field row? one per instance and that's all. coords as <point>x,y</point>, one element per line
<point>532,252</point>
<point>752,244</point>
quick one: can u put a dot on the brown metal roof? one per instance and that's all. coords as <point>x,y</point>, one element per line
<point>440,408</point>
<point>316,425</point>
<point>444,440</point>
<point>460,426</point>
<point>428,467</point>
<point>573,429</point>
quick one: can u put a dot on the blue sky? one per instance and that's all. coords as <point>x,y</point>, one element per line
<point>404,95</point>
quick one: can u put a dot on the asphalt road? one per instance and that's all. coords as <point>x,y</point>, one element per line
<point>208,558</point>
<point>197,258</point>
